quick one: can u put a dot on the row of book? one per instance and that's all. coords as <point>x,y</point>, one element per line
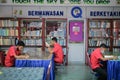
<point>61,41</point>
<point>8,23</point>
<point>116,51</point>
<point>99,33</point>
<point>32,24</point>
<point>97,42</point>
<point>33,42</point>
<point>116,29</point>
<point>90,50</point>
<point>32,33</point>
<point>57,33</point>
<point>99,24</point>
<point>116,42</point>
<point>8,32</point>
<point>60,32</point>
<point>7,41</point>
<point>116,23</point>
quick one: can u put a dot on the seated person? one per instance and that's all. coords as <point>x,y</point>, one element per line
<point>56,50</point>
<point>96,57</point>
<point>13,53</point>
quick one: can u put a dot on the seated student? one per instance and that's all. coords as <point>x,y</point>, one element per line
<point>96,57</point>
<point>13,53</point>
<point>56,50</point>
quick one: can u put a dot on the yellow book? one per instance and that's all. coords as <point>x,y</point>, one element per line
<point>16,32</point>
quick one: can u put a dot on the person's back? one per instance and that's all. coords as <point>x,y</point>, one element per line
<point>58,53</point>
<point>94,58</point>
<point>9,59</point>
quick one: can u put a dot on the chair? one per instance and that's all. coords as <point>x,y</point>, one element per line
<point>59,66</point>
<point>94,74</point>
<point>2,58</point>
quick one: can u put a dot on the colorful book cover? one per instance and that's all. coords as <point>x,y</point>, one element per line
<point>0,23</point>
<point>16,32</point>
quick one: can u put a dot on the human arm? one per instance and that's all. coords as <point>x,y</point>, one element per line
<point>109,58</point>
<point>50,50</point>
<point>21,56</point>
<point>13,52</point>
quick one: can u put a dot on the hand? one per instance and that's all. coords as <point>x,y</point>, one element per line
<point>47,45</point>
<point>115,57</point>
<point>26,56</point>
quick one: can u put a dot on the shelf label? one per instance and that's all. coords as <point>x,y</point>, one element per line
<point>45,13</point>
<point>105,13</point>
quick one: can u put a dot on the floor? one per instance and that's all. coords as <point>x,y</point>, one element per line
<point>74,72</point>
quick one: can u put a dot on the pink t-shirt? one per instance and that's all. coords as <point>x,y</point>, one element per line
<point>10,59</point>
<point>95,58</point>
<point>58,53</point>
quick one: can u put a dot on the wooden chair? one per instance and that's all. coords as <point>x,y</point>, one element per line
<point>2,58</point>
<point>94,74</point>
<point>59,66</point>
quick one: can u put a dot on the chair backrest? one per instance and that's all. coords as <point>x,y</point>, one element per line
<point>63,63</point>
<point>64,59</point>
<point>2,58</point>
<point>88,58</point>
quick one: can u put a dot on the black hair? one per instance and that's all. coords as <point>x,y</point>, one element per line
<point>54,39</point>
<point>20,43</point>
<point>103,45</point>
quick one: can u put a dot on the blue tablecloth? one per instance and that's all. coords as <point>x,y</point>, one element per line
<point>13,73</point>
<point>113,69</point>
<point>38,63</point>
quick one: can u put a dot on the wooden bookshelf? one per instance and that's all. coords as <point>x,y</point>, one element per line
<point>103,31</point>
<point>31,32</point>
<point>9,30</point>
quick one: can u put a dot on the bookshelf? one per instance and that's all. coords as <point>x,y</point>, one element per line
<point>57,28</point>
<point>31,32</point>
<point>116,35</point>
<point>9,30</point>
<point>103,31</point>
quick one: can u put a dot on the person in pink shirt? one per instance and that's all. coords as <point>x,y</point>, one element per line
<point>13,53</point>
<point>95,59</point>
<point>56,50</point>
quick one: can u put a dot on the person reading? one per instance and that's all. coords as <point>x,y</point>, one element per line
<point>96,60</point>
<point>56,49</point>
<point>15,52</point>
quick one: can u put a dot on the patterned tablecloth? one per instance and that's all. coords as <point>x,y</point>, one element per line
<point>39,60</point>
<point>113,70</point>
<point>25,73</point>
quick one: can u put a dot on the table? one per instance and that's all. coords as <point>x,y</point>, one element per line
<point>113,69</point>
<point>39,60</point>
<point>13,73</point>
